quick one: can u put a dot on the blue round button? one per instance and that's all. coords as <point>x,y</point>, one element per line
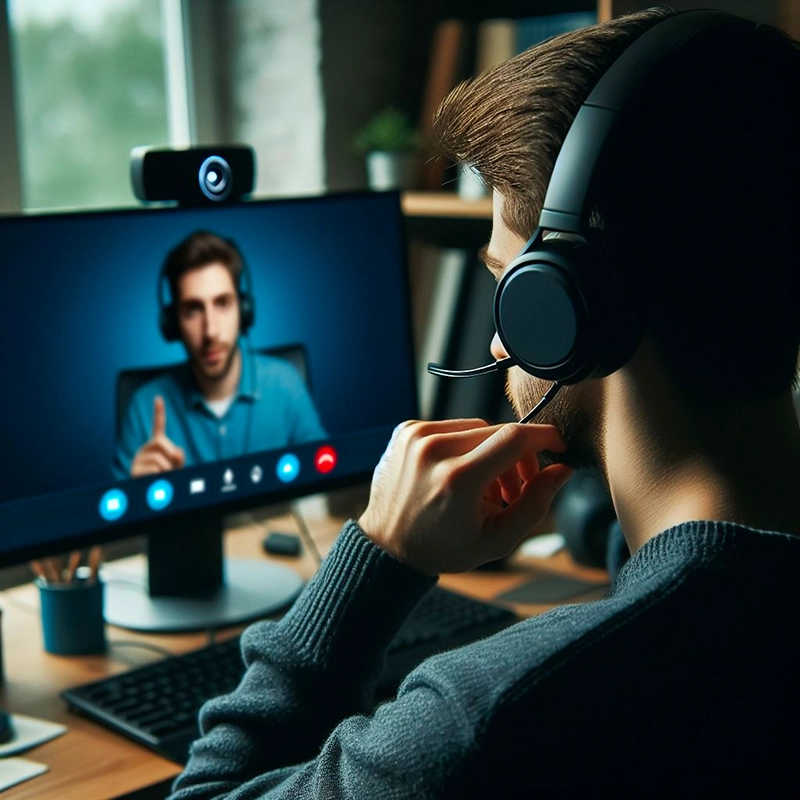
<point>159,495</point>
<point>288,467</point>
<point>113,504</point>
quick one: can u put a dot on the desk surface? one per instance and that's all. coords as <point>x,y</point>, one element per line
<point>90,762</point>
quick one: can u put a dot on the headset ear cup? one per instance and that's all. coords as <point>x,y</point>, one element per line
<point>167,322</point>
<point>246,312</point>
<point>546,313</point>
<point>561,316</point>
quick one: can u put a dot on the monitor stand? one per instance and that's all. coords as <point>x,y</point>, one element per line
<point>190,586</point>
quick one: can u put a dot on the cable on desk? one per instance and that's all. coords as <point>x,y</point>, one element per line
<point>305,534</point>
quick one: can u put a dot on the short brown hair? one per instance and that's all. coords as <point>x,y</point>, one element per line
<point>200,249</point>
<point>696,196</point>
<point>510,121</point>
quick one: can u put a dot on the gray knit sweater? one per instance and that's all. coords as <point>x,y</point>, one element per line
<point>684,676</point>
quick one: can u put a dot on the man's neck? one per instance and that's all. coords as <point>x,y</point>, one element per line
<point>667,464</point>
<point>225,385</point>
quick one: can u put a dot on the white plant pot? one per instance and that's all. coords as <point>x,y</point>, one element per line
<point>391,170</point>
<point>471,185</point>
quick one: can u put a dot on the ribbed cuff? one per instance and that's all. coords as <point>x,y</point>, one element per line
<point>356,602</point>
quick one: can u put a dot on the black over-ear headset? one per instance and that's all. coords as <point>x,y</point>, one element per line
<point>168,310</point>
<point>559,309</point>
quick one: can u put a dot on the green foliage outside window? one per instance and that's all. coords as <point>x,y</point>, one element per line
<point>85,96</point>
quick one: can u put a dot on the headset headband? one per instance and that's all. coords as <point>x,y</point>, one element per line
<point>560,311</point>
<point>564,207</point>
<point>243,284</point>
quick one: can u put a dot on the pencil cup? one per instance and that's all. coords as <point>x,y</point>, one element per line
<point>72,617</point>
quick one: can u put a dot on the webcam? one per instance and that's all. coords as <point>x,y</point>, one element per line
<point>193,175</point>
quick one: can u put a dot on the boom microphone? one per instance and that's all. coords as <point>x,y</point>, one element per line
<point>497,366</point>
<point>501,363</point>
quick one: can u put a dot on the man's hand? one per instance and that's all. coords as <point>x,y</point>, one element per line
<point>448,496</point>
<point>159,453</point>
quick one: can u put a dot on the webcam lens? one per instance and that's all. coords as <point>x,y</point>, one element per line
<point>215,178</point>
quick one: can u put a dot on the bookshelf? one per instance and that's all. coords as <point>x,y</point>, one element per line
<point>451,292</point>
<point>445,205</point>
<point>451,297</point>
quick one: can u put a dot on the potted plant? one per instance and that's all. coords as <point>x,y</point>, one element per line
<point>389,142</point>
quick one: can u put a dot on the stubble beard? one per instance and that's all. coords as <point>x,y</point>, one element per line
<point>221,372</point>
<point>565,412</point>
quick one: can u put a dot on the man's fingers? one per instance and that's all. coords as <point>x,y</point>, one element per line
<point>170,451</point>
<point>159,417</point>
<point>452,438</point>
<point>179,458</point>
<point>509,444</point>
<point>509,527</point>
<point>416,430</point>
<point>150,463</point>
<point>510,484</point>
<point>159,441</point>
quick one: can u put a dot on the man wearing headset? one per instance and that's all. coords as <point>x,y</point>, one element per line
<point>684,676</point>
<point>225,401</point>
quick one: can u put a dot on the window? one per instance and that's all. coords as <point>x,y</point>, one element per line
<point>90,84</point>
<point>88,81</point>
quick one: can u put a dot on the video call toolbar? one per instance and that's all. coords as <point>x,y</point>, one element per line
<point>216,478</point>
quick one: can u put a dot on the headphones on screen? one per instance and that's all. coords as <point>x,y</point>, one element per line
<point>168,310</point>
<point>559,310</point>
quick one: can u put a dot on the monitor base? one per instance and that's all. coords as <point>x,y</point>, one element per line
<point>252,590</point>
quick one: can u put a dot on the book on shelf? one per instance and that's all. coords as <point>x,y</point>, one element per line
<point>497,39</point>
<point>495,42</point>
<point>533,30</point>
<point>449,63</point>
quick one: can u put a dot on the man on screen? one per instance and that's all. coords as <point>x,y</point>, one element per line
<point>226,400</point>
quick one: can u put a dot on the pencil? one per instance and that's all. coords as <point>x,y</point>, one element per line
<point>50,567</point>
<point>95,556</point>
<point>72,566</point>
<point>39,570</point>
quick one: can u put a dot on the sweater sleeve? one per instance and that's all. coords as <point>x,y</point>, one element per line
<point>302,722</point>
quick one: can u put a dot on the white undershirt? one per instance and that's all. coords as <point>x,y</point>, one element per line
<point>220,407</point>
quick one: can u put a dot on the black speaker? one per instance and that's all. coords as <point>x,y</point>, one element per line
<point>584,514</point>
<point>194,175</point>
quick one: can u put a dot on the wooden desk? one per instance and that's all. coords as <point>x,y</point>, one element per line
<point>90,762</point>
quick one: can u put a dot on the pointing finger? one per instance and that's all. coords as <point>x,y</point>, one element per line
<point>168,450</point>
<point>159,417</point>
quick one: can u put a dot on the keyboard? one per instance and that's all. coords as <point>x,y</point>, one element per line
<point>157,704</point>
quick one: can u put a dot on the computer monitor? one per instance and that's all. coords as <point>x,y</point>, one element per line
<point>327,371</point>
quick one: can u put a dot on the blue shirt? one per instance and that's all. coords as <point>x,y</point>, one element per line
<point>272,409</point>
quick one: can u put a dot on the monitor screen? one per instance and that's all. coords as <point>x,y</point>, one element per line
<point>128,408</point>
